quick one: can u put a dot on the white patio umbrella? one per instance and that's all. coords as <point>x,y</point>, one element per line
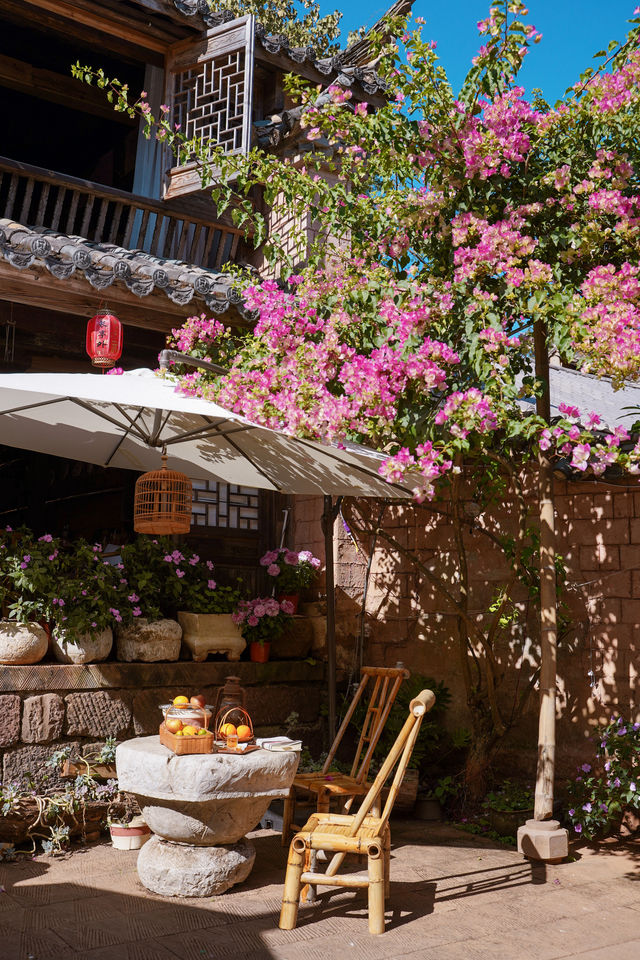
<point>125,421</point>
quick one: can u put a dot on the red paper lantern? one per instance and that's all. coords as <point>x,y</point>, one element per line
<point>104,339</point>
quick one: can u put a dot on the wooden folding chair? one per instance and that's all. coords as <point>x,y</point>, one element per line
<point>363,833</point>
<point>328,783</point>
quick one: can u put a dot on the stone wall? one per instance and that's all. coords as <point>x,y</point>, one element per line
<point>406,619</point>
<point>45,706</point>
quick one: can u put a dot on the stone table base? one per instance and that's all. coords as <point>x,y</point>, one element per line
<point>180,870</point>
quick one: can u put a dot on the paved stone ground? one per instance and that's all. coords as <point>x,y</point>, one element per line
<point>453,897</point>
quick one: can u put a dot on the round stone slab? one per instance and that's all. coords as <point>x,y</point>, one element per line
<point>202,799</point>
<point>174,870</point>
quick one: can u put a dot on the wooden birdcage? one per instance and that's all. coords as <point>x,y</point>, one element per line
<point>162,502</point>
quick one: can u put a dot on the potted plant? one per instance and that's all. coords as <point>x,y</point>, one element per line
<point>292,571</point>
<point>509,807</point>
<point>261,620</point>
<point>128,834</point>
<point>151,578</point>
<point>28,569</point>
<point>87,605</point>
<point>603,797</point>
<point>206,610</point>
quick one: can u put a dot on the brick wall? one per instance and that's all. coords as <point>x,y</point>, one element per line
<point>406,619</point>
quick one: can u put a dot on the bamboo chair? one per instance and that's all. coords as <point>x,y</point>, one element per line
<point>361,833</point>
<point>327,783</point>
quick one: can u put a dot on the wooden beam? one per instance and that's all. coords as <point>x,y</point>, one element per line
<point>115,25</point>
<point>57,88</point>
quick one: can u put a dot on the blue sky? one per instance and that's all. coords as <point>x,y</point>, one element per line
<point>572,32</point>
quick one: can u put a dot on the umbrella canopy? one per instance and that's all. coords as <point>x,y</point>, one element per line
<point>124,421</point>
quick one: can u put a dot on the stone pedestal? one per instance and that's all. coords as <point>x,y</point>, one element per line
<point>543,840</point>
<point>200,807</point>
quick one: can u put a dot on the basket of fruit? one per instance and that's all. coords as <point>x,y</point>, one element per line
<point>185,728</point>
<point>234,731</point>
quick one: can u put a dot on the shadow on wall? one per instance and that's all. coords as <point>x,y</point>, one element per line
<point>408,618</point>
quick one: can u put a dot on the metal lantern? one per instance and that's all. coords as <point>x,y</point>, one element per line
<point>104,339</point>
<point>162,502</point>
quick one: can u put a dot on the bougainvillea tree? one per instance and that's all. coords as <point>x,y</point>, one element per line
<point>460,239</point>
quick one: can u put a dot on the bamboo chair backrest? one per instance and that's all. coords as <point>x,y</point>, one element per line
<point>400,753</point>
<point>385,683</point>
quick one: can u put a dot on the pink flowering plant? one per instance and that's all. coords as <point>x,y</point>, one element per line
<point>291,570</point>
<point>456,232</point>
<point>89,592</point>
<point>262,619</point>
<point>603,793</point>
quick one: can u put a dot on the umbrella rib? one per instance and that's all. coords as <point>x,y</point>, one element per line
<point>133,421</point>
<point>356,466</point>
<point>121,441</point>
<point>104,416</point>
<point>32,406</point>
<point>253,463</point>
<point>203,432</point>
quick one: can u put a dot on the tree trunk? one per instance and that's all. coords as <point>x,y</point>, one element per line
<point>477,766</point>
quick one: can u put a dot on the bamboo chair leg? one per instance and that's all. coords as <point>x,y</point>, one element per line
<point>291,892</point>
<point>386,850</point>
<point>288,815</point>
<point>312,889</point>
<point>324,802</point>
<point>376,889</point>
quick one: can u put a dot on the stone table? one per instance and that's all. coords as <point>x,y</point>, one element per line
<point>199,808</point>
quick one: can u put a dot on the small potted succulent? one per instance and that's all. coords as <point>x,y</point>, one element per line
<point>292,571</point>
<point>128,834</point>
<point>28,579</point>
<point>262,620</point>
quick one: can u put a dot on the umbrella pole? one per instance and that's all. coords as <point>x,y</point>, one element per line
<point>328,521</point>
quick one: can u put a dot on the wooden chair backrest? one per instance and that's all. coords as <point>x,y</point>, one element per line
<point>385,683</point>
<point>400,753</point>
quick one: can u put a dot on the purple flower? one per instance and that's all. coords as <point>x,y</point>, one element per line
<point>622,731</point>
<point>53,555</point>
<point>116,614</point>
<point>133,598</point>
<point>578,828</point>
<point>211,584</point>
<point>587,807</point>
<point>46,538</point>
<point>273,570</point>
<point>616,782</point>
<point>93,623</point>
<point>61,603</point>
<point>194,559</point>
<point>209,565</point>
<point>586,767</point>
<point>179,573</point>
<point>607,766</point>
<point>632,786</point>
<point>168,558</point>
<point>9,529</point>
<point>604,807</point>
<point>571,812</point>
<point>137,612</point>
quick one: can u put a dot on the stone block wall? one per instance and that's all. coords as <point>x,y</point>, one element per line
<point>45,706</point>
<point>405,618</point>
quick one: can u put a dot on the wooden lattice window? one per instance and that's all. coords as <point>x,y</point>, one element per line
<point>209,93</point>
<point>225,505</point>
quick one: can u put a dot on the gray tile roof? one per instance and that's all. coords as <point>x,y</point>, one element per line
<point>104,263</point>
<point>590,393</point>
<point>337,68</point>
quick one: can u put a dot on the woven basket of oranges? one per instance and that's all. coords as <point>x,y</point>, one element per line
<point>233,726</point>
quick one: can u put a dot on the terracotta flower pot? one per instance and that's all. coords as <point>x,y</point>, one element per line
<point>293,598</point>
<point>127,837</point>
<point>259,652</point>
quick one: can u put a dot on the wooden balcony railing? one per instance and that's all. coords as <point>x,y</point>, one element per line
<point>42,198</point>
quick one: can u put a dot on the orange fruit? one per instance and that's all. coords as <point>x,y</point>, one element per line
<point>190,731</point>
<point>181,702</point>
<point>228,729</point>
<point>244,732</point>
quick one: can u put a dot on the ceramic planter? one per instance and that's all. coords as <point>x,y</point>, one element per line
<point>129,836</point>
<point>205,633</point>
<point>149,641</point>
<point>506,822</point>
<point>22,643</point>
<point>84,648</point>
<point>259,652</point>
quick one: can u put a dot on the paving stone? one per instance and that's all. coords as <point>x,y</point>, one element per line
<point>97,714</point>
<point>9,719</point>
<point>42,718</point>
